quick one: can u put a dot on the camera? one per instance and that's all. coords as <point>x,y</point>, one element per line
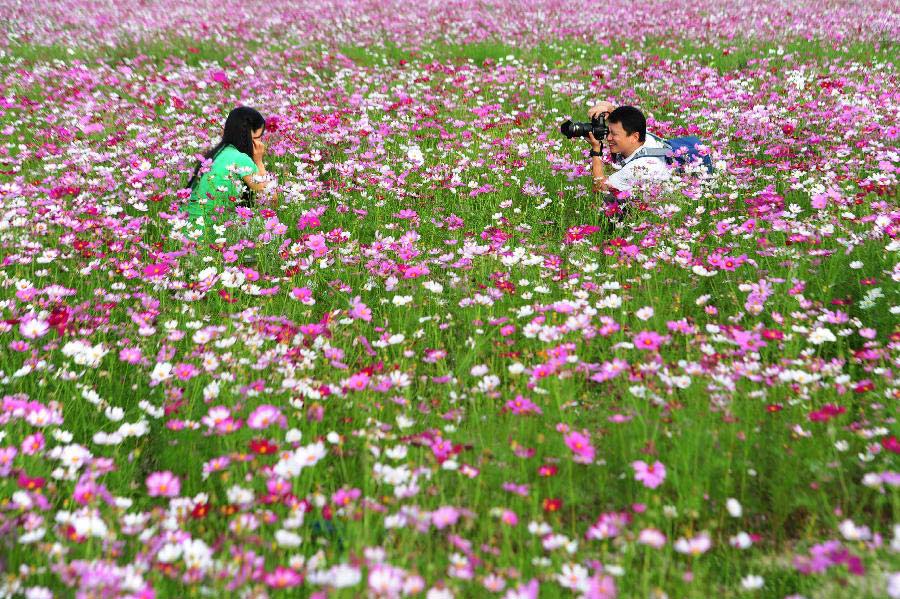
<point>597,126</point>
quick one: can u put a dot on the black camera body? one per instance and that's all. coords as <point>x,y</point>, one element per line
<point>597,126</point>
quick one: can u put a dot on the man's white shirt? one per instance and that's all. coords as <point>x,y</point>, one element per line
<point>639,168</point>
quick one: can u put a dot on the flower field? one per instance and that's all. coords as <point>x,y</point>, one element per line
<point>430,364</point>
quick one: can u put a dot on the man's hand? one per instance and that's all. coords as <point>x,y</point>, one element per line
<point>601,108</point>
<point>595,143</point>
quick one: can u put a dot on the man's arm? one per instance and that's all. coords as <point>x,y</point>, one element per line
<point>598,174</point>
<point>600,108</point>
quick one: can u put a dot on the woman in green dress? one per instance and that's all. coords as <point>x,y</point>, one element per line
<point>237,169</point>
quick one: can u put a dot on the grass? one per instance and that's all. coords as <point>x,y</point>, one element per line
<point>717,437</point>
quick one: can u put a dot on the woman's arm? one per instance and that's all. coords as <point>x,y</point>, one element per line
<point>251,180</point>
<point>253,184</point>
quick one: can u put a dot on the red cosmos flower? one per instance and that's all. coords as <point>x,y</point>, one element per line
<point>827,412</point>
<point>772,334</point>
<point>58,318</point>
<point>552,505</point>
<point>863,386</point>
<point>263,446</point>
<point>30,483</point>
<point>200,511</point>
<point>227,296</point>
<point>71,534</point>
<point>774,407</point>
<point>891,444</point>
<point>548,470</point>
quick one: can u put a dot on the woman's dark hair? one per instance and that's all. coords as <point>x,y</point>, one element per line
<point>239,127</point>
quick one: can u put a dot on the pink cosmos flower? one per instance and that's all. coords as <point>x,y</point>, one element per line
<point>600,586</point>
<point>652,476</point>
<point>282,578</point>
<point>652,537</point>
<point>317,244</point>
<point>33,443</point>
<point>649,340</point>
<point>360,311</point>
<point>581,446</point>
<point>444,516</point>
<point>265,416</point>
<point>163,484</point>
<point>343,497</point>
<point>132,355</point>
<point>303,295</point>
<point>695,545</point>
<point>609,525</point>
<point>524,591</point>
<point>521,406</point>
<point>7,454</point>
<point>185,372</point>
<point>358,381</point>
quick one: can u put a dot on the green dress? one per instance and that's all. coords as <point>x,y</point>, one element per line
<point>221,186</point>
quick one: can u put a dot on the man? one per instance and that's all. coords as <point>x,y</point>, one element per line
<point>627,140</point>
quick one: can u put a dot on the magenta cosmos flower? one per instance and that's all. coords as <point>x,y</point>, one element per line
<point>581,446</point>
<point>650,340</point>
<point>163,484</point>
<point>652,476</point>
<point>156,269</point>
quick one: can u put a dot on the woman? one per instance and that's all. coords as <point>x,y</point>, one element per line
<point>237,168</point>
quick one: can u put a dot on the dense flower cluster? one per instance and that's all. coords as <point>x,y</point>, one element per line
<point>428,364</point>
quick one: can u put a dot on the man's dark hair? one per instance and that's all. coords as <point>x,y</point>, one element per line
<point>631,119</point>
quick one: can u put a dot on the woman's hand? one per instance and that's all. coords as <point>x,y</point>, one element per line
<point>259,148</point>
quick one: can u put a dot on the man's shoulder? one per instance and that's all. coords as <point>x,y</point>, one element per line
<point>654,141</point>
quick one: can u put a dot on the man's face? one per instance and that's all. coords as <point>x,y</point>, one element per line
<point>621,142</point>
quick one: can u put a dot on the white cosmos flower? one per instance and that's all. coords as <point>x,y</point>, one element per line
<point>168,553</point>
<point>197,554</point>
<point>645,313</point>
<point>574,576</point>
<point>821,335</point>
<point>34,328</point>
<point>741,540</point>
<point>161,372</point>
<point>207,273</point>
<point>89,524</point>
<point>344,575</point>
<point>752,582</point>
<point>286,538</point>
<point>33,536</point>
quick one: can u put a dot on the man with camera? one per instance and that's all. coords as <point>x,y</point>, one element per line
<point>630,146</point>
